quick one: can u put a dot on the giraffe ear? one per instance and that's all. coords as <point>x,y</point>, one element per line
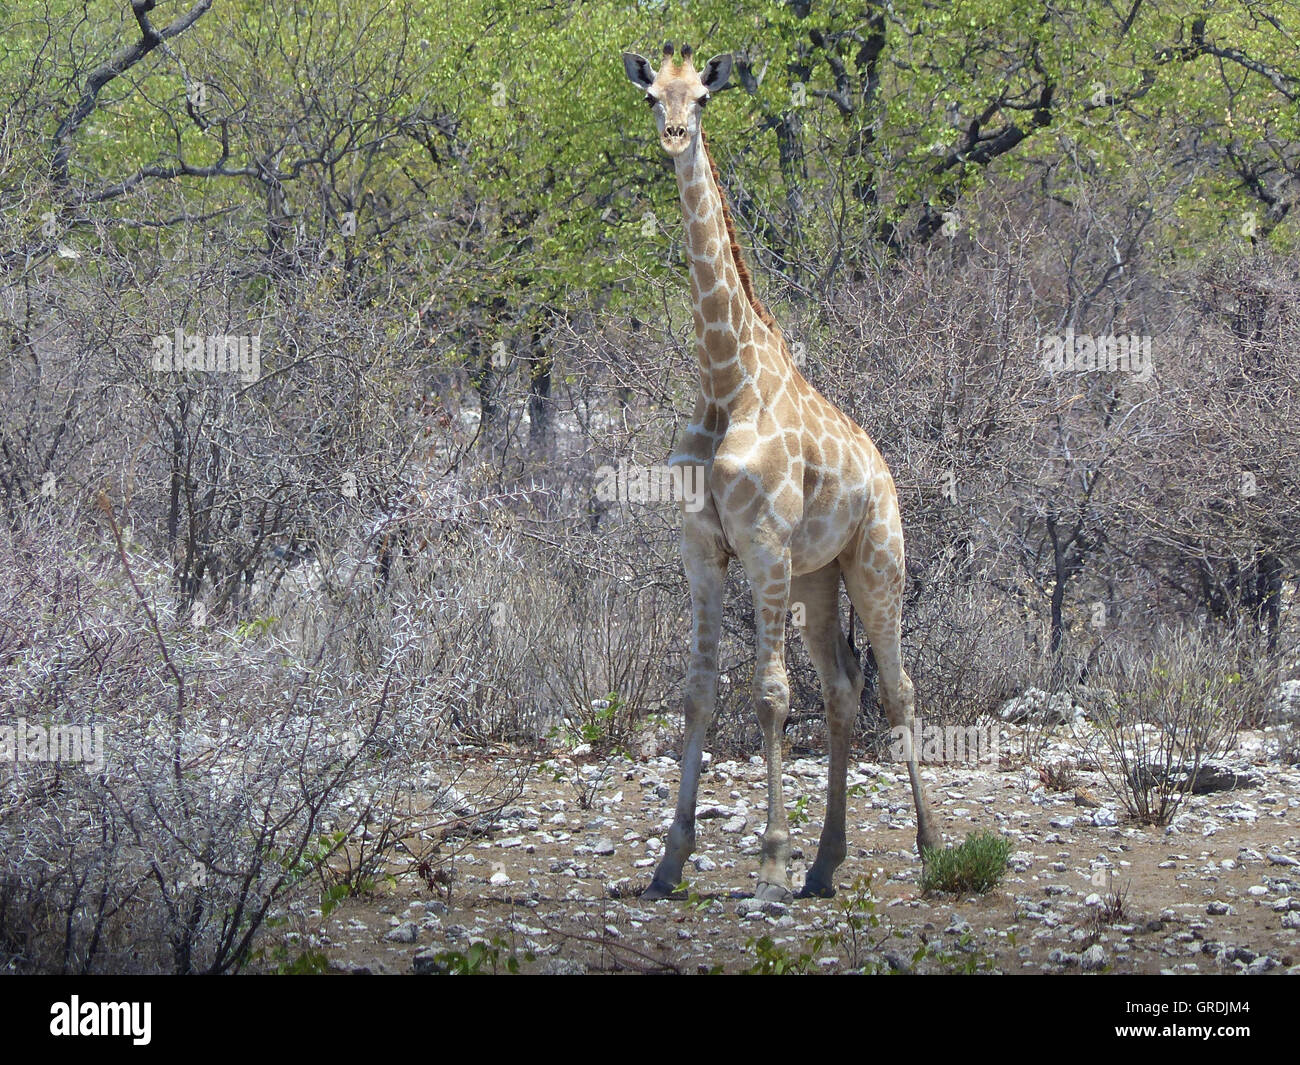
<point>639,71</point>
<point>716,72</point>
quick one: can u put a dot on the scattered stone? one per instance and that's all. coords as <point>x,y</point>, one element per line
<point>749,908</point>
<point>562,966</point>
<point>1212,778</point>
<point>1093,959</point>
<point>1287,711</point>
<point>1219,909</point>
<point>349,968</point>
<point>1047,708</point>
<point>406,932</point>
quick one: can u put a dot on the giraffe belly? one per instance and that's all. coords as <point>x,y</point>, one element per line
<point>813,547</point>
<point>830,519</point>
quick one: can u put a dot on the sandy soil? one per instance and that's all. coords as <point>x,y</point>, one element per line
<point>552,884</point>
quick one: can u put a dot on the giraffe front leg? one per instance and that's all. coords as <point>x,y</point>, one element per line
<point>706,569</point>
<point>770,578</point>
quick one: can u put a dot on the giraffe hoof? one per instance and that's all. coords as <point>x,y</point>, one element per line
<point>656,891</point>
<point>815,889</point>
<point>766,892</point>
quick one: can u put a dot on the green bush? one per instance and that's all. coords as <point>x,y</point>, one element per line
<point>976,865</point>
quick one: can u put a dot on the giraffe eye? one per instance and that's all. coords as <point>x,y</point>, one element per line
<point>650,100</point>
<point>703,100</point>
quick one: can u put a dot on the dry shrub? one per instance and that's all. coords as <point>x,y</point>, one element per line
<point>1162,713</point>
<point>238,779</point>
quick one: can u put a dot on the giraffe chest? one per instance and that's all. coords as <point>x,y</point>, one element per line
<point>763,480</point>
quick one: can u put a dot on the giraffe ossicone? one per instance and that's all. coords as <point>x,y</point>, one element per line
<point>793,489</point>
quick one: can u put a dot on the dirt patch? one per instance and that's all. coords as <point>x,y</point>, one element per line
<point>552,885</point>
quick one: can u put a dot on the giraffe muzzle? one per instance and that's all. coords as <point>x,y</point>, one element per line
<point>675,139</point>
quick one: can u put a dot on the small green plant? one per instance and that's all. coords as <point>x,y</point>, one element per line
<point>604,726</point>
<point>858,910</point>
<point>247,630</point>
<point>772,960</point>
<point>494,955</point>
<point>860,936</point>
<point>975,865</point>
<point>694,900</point>
<point>799,815</point>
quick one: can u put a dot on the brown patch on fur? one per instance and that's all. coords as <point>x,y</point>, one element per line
<point>746,282</point>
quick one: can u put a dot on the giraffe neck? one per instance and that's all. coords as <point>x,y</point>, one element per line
<point>724,315</point>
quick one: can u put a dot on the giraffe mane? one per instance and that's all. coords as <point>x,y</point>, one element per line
<point>746,281</point>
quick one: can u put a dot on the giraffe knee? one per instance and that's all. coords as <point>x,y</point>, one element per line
<point>772,700</point>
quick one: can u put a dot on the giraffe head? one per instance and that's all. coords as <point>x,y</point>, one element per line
<point>677,93</point>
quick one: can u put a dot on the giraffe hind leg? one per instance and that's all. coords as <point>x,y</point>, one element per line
<point>878,598</point>
<point>841,684</point>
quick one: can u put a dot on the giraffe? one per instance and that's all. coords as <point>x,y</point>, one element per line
<point>793,489</point>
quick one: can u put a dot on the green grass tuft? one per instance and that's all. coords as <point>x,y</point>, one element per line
<point>975,865</point>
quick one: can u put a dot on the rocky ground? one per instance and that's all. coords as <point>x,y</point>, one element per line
<point>550,882</point>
